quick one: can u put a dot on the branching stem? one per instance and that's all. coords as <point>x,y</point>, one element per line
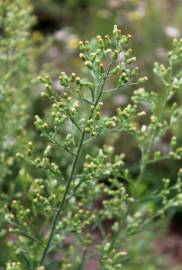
<point>70,179</point>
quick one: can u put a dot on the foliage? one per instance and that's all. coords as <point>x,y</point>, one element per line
<point>75,199</point>
<point>16,59</point>
<point>17,71</point>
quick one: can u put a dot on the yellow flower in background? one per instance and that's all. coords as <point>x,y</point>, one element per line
<point>138,14</point>
<point>67,37</point>
<point>134,16</point>
<point>73,43</point>
<point>135,2</point>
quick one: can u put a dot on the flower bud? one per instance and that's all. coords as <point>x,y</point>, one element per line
<point>101,68</point>
<point>88,64</point>
<point>81,46</point>
<point>82,56</point>
<point>142,80</point>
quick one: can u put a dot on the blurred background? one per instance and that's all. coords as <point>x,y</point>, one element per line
<point>152,24</point>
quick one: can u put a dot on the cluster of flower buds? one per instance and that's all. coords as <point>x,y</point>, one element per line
<point>126,118</point>
<point>13,266</point>
<point>102,165</point>
<point>171,75</point>
<point>117,204</point>
<point>50,91</point>
<point>148,99</point>
<point>113,49</point>
<point>39,124</point>
<point>29,149</point>
<point>175,56</point>
<point>78,219</point>
<point>18,215</point>
<point>41,200</point>
<point>112,259</point>
<point>45,163</point>
<point>69,141</point>
<point>38,190</point>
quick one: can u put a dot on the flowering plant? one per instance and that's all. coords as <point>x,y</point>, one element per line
<point>76,199</point>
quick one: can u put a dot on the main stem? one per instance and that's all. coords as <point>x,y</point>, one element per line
<point>62,202</point>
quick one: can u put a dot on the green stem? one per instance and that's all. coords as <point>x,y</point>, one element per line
<point>146,155</point>
<point>62,202</point>
<point>74,122</point>
<point>144,162</point>
<point>70,179</point>
<point>53,141</point>
<point>81,265</point>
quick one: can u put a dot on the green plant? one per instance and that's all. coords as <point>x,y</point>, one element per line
<point>81,200</point>
<point>16,80</point>
<point>16,72</point>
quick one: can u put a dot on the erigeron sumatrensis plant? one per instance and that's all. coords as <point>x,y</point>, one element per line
<point>88,208</point>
